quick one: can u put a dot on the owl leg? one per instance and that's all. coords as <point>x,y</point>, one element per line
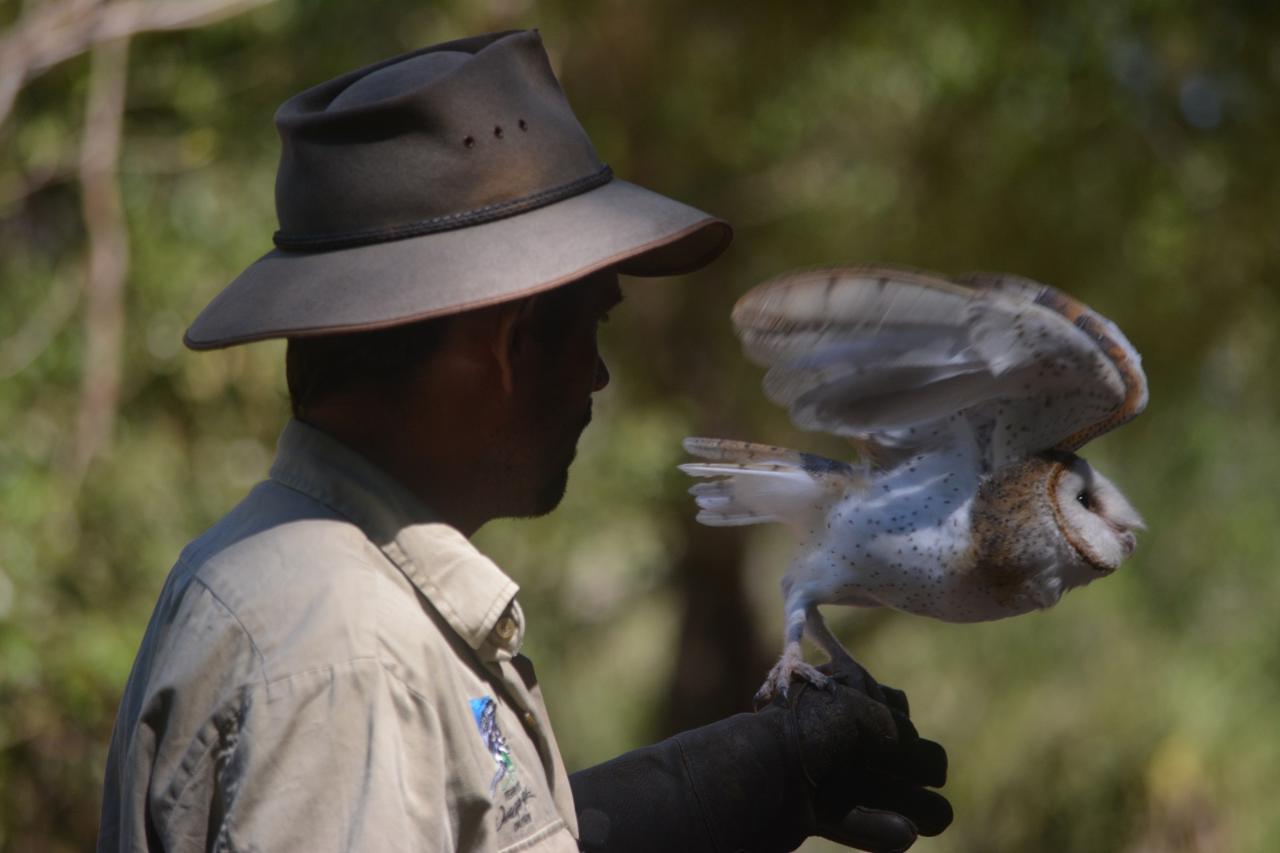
<point>841,661</point>
<point>818,631</point>
<point>792,664</point>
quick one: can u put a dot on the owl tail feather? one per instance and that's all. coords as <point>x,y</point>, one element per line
<point>759,483</point>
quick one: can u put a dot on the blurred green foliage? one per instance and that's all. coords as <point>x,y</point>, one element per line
<point>1124,151</point>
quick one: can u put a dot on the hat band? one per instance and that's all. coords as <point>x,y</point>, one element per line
<point>445,222</point>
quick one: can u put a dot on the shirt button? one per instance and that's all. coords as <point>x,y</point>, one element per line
<point>506,628</point>
<point>530,720</point>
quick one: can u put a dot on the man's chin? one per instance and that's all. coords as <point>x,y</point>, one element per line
<point>550,491</point>
<point>550,496</point>
<point>547,498</point>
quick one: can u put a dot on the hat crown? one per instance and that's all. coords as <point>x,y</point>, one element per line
<point>459,133</point>
<point>441,181</point>
<point>393,80</point>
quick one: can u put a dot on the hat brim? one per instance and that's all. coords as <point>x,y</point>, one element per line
<point>298,294</point>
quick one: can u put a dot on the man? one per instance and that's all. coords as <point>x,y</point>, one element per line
<point>333,665</point>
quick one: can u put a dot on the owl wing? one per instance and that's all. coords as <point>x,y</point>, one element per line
<point>898,360</point>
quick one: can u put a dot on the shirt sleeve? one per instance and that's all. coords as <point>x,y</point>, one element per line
<point>346,758</point>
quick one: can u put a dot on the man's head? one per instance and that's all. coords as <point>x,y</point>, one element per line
<point>449,239</point>
<point>496,397</point>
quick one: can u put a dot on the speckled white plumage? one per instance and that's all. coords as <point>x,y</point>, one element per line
<point>966,400</point>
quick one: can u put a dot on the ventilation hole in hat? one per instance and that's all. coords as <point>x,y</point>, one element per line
<point>497,131</point>
<point>524,125</point>
<point>470,142</point>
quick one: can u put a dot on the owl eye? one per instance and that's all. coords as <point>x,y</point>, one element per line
<point>1085,500</point>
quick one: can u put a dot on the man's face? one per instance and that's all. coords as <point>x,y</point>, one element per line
<point>558,369</point>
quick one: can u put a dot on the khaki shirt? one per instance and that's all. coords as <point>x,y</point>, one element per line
<point>329,668</point>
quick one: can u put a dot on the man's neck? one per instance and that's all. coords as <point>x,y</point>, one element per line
<point>427,465</point>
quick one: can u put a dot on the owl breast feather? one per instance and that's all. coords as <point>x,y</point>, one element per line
<point>931,540</point>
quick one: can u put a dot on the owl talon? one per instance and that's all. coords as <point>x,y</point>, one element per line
<point>784,673</point>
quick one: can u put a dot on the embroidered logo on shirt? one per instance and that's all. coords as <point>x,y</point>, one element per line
<point>514,811</point>
<point>485,711</point>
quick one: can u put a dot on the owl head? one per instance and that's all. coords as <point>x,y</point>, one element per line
<point>1045,525</point>
<point>1091,513</point>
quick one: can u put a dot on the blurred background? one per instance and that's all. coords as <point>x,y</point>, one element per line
<point>1123,150</point>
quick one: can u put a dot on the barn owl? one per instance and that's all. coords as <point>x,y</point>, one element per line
<point>966,400</point>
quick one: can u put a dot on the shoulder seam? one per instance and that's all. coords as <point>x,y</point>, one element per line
<point>195,578</point>
<point>341,515</point>
<point>406,685</point>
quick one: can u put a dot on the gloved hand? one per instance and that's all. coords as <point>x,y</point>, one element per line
<point>844,763</point>
<point>867,767</point>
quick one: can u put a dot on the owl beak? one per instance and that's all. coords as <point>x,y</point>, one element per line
<point>1124,532</point>
<point>1128,542</point>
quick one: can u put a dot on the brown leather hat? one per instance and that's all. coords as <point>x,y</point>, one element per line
<point>449,178</point>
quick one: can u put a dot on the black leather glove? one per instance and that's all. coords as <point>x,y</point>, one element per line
<point>872,794</point>
<point>844,763</point>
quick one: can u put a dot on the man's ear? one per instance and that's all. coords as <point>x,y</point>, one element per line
<point>510,338</point>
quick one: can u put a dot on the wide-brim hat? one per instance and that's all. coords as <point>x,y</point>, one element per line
<point>443,180</point>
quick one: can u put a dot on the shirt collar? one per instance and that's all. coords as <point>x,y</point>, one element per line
<point>466,587</point>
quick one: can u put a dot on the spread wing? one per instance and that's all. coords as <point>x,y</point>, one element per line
<point>898,360</point>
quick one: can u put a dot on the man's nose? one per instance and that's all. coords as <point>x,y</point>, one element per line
<point>602,375</point>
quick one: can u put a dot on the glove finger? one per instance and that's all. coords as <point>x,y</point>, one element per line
<point>925,764</point>
<point>825,711</point>
<point>929,811</point>
<point>850,673</point>
<point>915,761</point>
<point>906,729</point>
<point>893,730</point>
<point>870,829</point>
<point>896,699</point>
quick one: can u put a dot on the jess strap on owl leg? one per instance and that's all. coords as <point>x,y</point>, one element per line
<point>836,763</point>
